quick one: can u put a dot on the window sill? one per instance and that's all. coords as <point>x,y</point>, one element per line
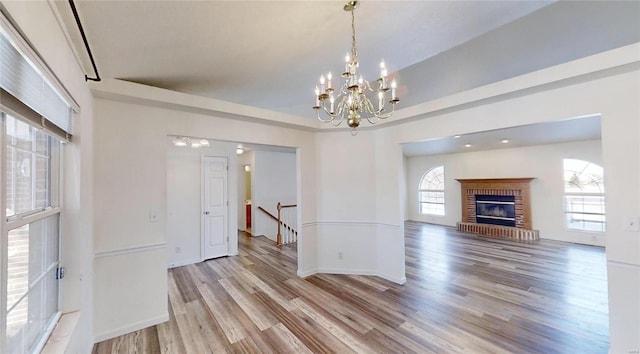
<point>59,339</point>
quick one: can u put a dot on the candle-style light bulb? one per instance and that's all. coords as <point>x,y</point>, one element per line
<point>332,100</point>
<point>317,96</point>
<point>393,89</point>
<point>383,69</point>
<point>347,61</point>
<point>322,83</point>
<point>380,97</point>
<point>329,80</point>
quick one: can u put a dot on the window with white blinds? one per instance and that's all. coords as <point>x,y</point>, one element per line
<point>28,94</point>
<point>36,114</point>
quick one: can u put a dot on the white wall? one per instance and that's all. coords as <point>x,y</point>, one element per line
<point>184,200</point>
<point>132,180</point>
<point>544,163</point>
<point>37,21</point>
<point>571,90</point>
<point>274,179</point>
<point>359,227</point>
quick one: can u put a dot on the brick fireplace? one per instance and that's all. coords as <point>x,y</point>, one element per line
<point>501,201</point>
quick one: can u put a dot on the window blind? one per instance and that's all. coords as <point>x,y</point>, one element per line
<point>27,93</point>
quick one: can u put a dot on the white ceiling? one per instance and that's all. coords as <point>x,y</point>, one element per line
<point>583,128</point>
<point>270,54</point>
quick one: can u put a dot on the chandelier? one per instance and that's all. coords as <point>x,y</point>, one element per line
<point>350,101</point>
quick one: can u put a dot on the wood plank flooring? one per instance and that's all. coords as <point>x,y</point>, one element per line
<point>464,294</point>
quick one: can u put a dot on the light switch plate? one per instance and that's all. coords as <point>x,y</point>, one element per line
<point>153,216</point>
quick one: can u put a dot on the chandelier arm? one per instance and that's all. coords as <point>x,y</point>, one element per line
<point>331,118</point>
<point>339,113</point>
<point>385,116</point>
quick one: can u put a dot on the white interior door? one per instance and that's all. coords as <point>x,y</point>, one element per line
<point>215,207</point>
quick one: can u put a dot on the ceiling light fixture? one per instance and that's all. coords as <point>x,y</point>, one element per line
<point>505,141</point>
<point>239,150</point>
<point>456,136</point>
<point>467,145</point>
<point>350,101</point>
<point>182,141</point>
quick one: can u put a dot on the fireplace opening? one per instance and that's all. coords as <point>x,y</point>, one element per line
<point>496,210</point>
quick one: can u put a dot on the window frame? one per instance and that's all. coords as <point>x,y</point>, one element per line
<point>439,192</point>
<point>9,223</point>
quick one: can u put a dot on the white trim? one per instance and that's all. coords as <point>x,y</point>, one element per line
<point>131,328</point>
<point>348,223</point>
<point>183,263</point>
<point>4,239</point>
<point>59,340</point>
<point>342,271</point>
<point>130,250</point>
<point>623,265</point>
<point>24,219</point>
<point>48,331</point>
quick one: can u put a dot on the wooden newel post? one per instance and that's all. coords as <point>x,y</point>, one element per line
<point>279,238</point>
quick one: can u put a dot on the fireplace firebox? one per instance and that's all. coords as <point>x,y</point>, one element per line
<point>496,210</point>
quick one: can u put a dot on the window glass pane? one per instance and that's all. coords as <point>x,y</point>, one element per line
<point>18,264</point>
<point>584,198</point>
<point>22,134</point>
<point>582,177</point>
<point>26,321</point>
<point>41,182</point>
<point>22,182</point>
<point>431,195</point>
<point>11,199</point>
<point>28,168</point>
<point>42,143</point>
<point>33,258</point>
<point>433,179</point>
<point>17,321</point>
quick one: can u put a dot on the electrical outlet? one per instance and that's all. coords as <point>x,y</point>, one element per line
<point>178,250</point>
<point>340,255</point>
<point>153,216</point>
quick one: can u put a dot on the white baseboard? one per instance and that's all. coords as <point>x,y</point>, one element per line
<point>130,328</point>
<point>396,280</point>
<point>306,273</point>
<point>184,262</point>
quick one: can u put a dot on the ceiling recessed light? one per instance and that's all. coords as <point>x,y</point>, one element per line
<point>468,146</point>
<point>456,136</point>
<point>505,141</point>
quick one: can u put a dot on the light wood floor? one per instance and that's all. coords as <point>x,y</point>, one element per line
<point>463,293</point>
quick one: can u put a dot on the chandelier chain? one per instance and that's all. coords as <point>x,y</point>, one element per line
<point>354,50</point>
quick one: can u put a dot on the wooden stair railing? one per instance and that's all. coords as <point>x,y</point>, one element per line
<point>295,233</point>
<point>281,223</point>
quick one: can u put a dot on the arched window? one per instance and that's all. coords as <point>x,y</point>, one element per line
<point>431,195</point>
<point>584,195</point>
